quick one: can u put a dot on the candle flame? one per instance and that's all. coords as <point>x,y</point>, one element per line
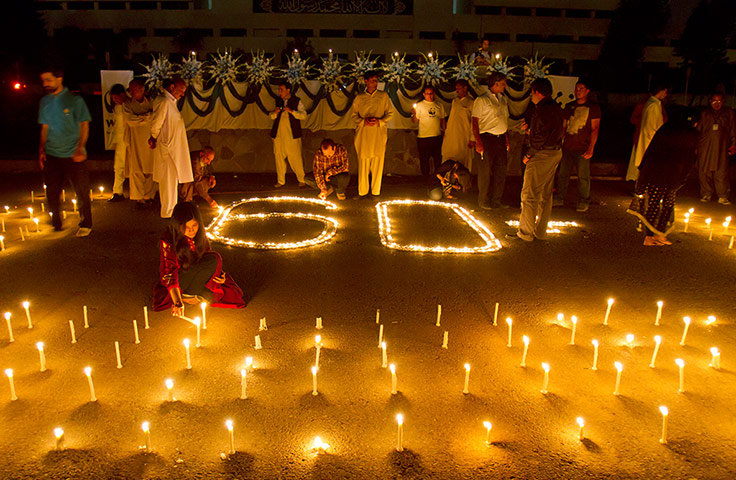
<point>392,367</point>
<point>7,316</point>
<point>88,371</point>
<point>630,338</point>
<point>186,342</point>
<point>26,304</point>
<point>229,425</point>
<point>318,444</point>
<point>664,411</point>
<point>711,320</point>
<point>145,427</point>
<point>487,425</point>
<point>714,350</point>
<point>248,361</point>
<point>317,339</point>
<point>102,189</point>
<point>58,432</point>
<point>595,343</point>
<point>574,319</point>
<point>545,367</point>
<point>467,367</point>
<point>509,321</point>
<point>581,421</point>
<point>610,301</point>
<point>686,320</point>
<point>657,339</point>
<point>9,372</point>
<point>383,345</point>
<point>169,383</point>
<point>314,370</point>
<point>680,362</point>
<point>525,339</point>
<point>242,373</point>
<point>399,419</point>
<point>197,321</point>
<point>560,317</point>
<point>39,346</point>
<point>660,303</point>
<point>619,366</point>
<point>203,305</point>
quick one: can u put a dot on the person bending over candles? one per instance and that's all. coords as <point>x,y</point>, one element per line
<point>450,177</point>
<point>191,272</point>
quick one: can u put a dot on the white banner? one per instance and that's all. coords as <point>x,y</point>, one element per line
<point>108,79</point>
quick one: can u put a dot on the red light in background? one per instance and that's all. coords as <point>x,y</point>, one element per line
<point>17,85</point>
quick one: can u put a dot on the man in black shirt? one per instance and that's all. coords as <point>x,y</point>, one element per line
<point>544,154</point>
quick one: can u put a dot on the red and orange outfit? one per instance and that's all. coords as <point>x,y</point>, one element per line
<point>225,295</point>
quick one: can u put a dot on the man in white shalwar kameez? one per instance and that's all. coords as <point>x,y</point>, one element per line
<point>459,142</point>
<point>118,97</point>
<point>651,119</point>
<point>137,113</point>
<point>171,160</point>
<point>371,114</point>
<point>287,135</point>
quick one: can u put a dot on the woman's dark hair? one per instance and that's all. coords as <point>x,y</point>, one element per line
<point>174,234</point>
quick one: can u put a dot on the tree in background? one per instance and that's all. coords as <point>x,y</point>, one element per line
<point>703,44</point>
<point>635,24</point>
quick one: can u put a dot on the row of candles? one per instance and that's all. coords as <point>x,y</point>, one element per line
<point>201,323</point>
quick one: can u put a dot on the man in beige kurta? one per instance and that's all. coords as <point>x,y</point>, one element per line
<point>371,114</point>
<point>137,113</point>
<point>459,142</point>
<point>717,141</point>
<point>287,135</point>
<point>652,118</point>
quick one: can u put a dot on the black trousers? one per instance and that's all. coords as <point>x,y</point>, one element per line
<point>54,171</point>
<point>193,280</point>
<point>339,181</point>
<point>429,147</point>
<point>493,160</point>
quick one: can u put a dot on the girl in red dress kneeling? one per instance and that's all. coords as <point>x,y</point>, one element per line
<point>191,272</point>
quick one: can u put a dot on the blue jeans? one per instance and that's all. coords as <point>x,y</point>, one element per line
<point>583,167</point>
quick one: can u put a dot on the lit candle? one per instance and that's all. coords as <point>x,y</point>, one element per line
<point>608,311</point>
<point>657,343</point>
<point>378,316</point>
<point>711,320</point>
<point>30,213</point>
<point>229,425</point>
<point>619,369</point>
<point>380,335</point>
<point>10,327</point>
<point>102,190</point>
<point>681,364</point>
<point>726,224</point>
<point>684,332</point>
<point>27,308</point>
<point>495,315</point>
<point>488,432</point>
<point>59,434</point>
<point>630,340</point>
<point>526,349</point>
<point>262,325</point>
<point>715,361</point>
<point>88,373</point>
<point>444,339</point>
<point>86,320</point>
<point>41,355</point>
<point>145,317</point>
<point>414,106</point>
<point>595,354</point>
<point>203,306</point>
<point>687,221</point>
<point>135,331</point>
<point>2,242</point>
<point>9,373</point>
<point>74,204</point>
<point>314,381</point>
<point>392,367</point>
<point>22,237</point>
<point>198,324</point>
<point>665,412</point>
<point>145,426</point>
<point>243,384</point>
<point>318,347</point>
<point>74,333</point>
<point>660,304</point>
<point>400,433</point>
<point>35,220</point>
<point>545,367</point>
<point>510,323</point>
<point>707,223</point>
<point>117,354</point>
<point>318,326</point>
<point>467,379</point>
<point>439,315</point>
<point>170,388</point>
<point>189,359</point>
<point>581,426</point>
<point>384,357</point>
<point>730,244</point>
<point>258,343</point>
<point>574,326</point>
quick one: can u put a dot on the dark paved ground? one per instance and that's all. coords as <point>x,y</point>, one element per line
<point>345,281</point>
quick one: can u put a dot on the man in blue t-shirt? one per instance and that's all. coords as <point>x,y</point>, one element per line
<point>64,120</point>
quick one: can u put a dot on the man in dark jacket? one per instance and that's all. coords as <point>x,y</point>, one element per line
<point>544,154</point>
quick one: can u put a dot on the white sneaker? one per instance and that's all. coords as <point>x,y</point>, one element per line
<point>724,201</point>
<point>83,232</point>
